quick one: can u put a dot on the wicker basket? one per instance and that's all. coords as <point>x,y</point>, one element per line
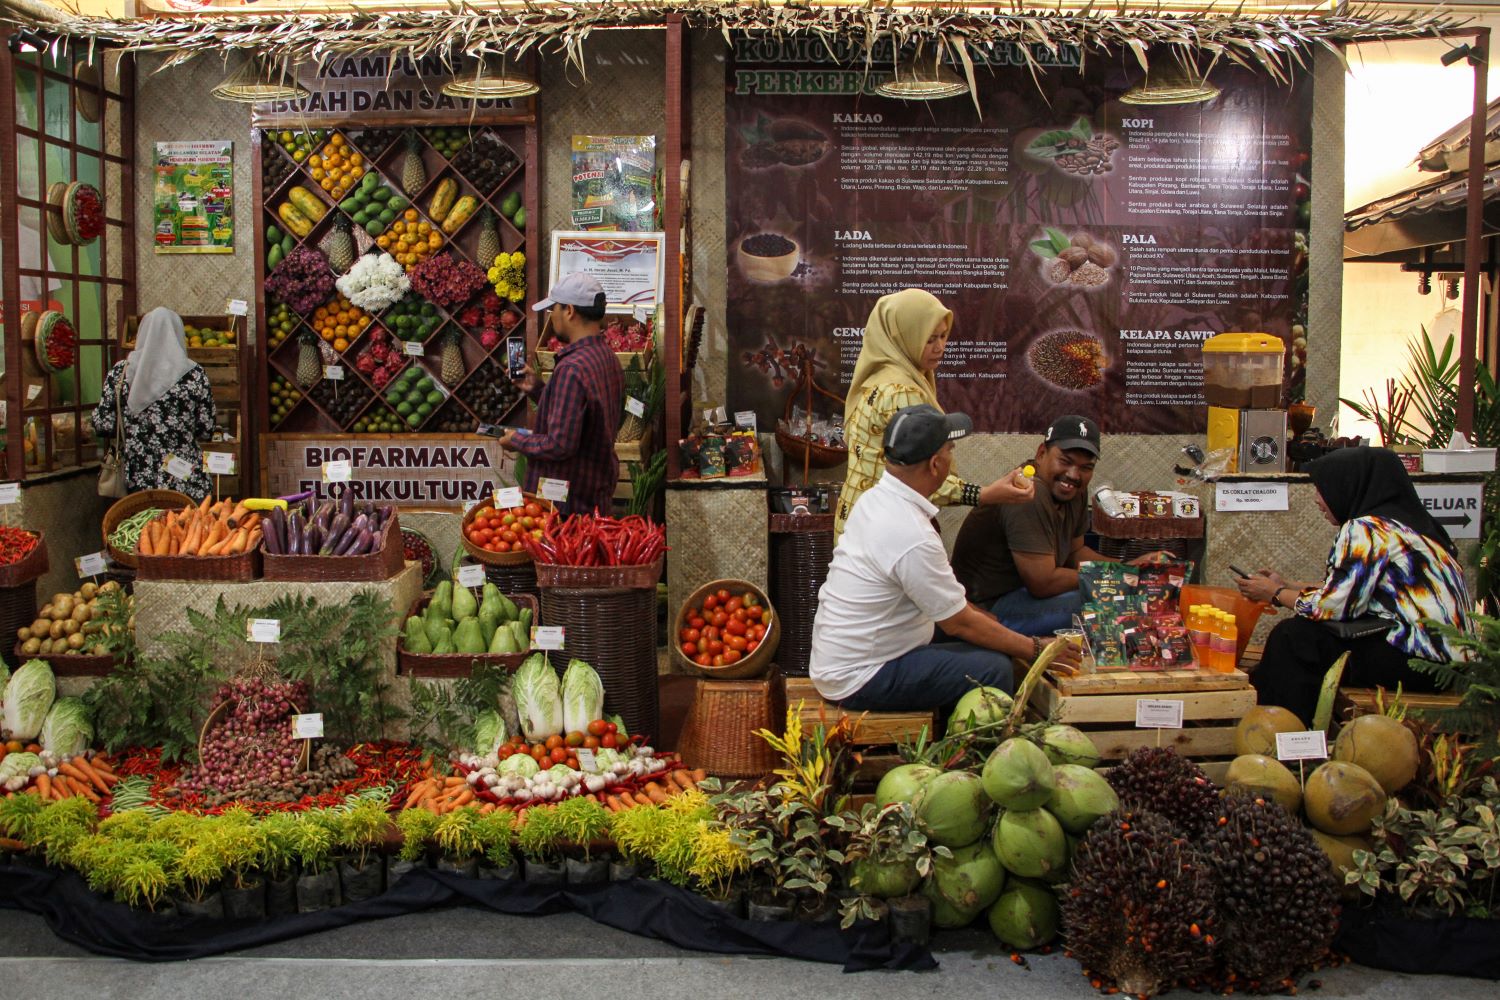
<point>72,664</point>
<point>801,549</point>
<point>719,733</point>
<point>127,506</point>
<point>614,631</point>
<point>496,558</point>
<point>223,569</point>
<point>600,577</point>
<point>513,580</point>
<point>801,451</point>
<point>17,610</point>
<point>223,707</point>
<point>1146,527</point>
<point>27,570</point>
<point>455,664</point>
<point>382,564</point>
<point>753,665</point>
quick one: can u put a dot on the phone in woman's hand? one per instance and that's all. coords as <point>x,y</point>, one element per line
<point>1238,572</point>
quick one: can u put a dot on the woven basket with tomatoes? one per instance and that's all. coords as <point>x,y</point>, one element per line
<point>494,537</point>
<point>727,629</point>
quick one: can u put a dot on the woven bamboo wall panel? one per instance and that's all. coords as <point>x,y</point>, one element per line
<point>715,534</point>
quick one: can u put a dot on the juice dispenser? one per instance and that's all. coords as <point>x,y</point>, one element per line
<point>1242,383</point>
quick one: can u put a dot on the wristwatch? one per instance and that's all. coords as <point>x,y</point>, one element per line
<point>1276,598</point>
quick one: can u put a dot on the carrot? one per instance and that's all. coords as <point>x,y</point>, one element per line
<point>255,536</point>
<point>630,801</point>
<point>430,804</point>
<point>655,794</point>
<point>613,802</point>
<point>44,786</point>
<point>238,515</point>
<point>79,769</point>
<point>192,539</point>
<point>487,808</point>
<point>453,780</point>
<point>683,780</point>
<point>102,765</point>
<point>144,546</point>
<point>463,798</point>
<point>62,788</point>
<point>207,499</point>
<point>417,792</point>
<point>699,775</point>
<point>82,788</point>
<point>237,544</point>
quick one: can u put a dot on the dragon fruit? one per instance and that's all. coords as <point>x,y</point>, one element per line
<point>489,339</point>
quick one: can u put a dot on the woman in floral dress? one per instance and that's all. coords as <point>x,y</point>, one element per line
<point>167,404</point>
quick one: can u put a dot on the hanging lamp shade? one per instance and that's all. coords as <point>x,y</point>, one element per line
<point>1174,85</point>
<point>256,82</point>
<point>919,79</point>
<point>486,84</point>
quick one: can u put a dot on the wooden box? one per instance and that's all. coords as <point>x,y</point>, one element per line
<point>1103,706</point>
<point>884,730</point>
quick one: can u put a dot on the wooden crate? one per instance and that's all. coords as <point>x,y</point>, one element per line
<point>1103,706</point>
<point>877,735</point>
<point>1354,702</point>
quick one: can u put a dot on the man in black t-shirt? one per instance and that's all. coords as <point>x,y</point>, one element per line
<point>1021,560</point>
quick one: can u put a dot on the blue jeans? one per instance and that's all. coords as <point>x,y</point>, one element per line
<point>931,677</point>
<point>1020,612</point>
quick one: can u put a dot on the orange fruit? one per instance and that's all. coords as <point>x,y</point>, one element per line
<point>340,344</point>
<point>410,215</point>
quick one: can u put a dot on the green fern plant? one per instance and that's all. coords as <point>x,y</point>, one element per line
<point>1476,680</point>
<point>337,649</point>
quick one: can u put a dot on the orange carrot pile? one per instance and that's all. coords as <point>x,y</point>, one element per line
<point>656,793</point>
<point>75,776</point>
<point>440,795</point>
<point>219,529</point>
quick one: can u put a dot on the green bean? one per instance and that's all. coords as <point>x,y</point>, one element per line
<point>128,535</point>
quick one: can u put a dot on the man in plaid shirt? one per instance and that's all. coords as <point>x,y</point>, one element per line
<point>579,410</point>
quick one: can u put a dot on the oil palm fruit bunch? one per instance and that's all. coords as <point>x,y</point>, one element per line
<point>1161,781</point>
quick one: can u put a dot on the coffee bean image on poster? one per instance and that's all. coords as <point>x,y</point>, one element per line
<point>1189,231</point>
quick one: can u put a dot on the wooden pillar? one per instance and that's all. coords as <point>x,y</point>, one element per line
<point>678,141</point>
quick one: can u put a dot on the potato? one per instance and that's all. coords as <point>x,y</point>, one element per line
<point>63,605</point>
<point>39,626</point>
<point>60,596</point>
<point>108,587</point>
<point>89,628</point>
<point>82,613</point>
<point>55,630</point>
<point>88,590</point>
<point>46,612</point>
<point>23,633</point>
<point>31,647</point>
<point>69,626</point>
<point>44,647</point>
<point>75,642</point>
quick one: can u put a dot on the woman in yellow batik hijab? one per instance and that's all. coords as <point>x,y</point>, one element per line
<point>903,346</point>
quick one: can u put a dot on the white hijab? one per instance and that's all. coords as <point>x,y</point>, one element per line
<point>159,360</point>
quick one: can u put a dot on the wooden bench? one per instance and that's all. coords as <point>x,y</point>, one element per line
<point>881,732</point>
<point>1354,702</point>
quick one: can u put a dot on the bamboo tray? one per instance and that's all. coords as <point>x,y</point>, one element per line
<point>72,664</point>
<point>457,664</point>
<point>134,503</point>
<point>382,564</point>
<point>223,569</point>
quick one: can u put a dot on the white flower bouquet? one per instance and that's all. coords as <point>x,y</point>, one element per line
<point>374,282</point>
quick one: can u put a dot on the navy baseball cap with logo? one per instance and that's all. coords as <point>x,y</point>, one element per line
<point>916,433</point>
<point>1072,432</point>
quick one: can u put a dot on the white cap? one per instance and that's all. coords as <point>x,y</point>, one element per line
<point>576,289</point>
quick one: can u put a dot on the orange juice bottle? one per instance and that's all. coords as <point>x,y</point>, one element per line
<point>1231,643</point>
<point>1216,657</point>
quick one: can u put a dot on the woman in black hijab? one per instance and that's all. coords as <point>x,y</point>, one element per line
<point>1390,561</point>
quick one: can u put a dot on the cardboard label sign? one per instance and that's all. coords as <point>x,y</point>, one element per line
<point>33,392</point>
<point>10,493</point>
<point>177,468</point>
<point>307,727</point>
<point>218,463</point>
<point>1251,496</point>
<point>547,636</point>
<point>238,307</point>
<point>586,761</point>
<point>413,348</point>
<point>471,576</point>
<point>1309,745</point>
<point>263,630</point>
<point>555,490</point>
<point>635,407</point>
<point>92,564</point>
<point>337,472</point>
<point>334,373</point>
<point>470,505</point>
<point>745,419</point>
<point>509,496</point>
<point>1158,713</point>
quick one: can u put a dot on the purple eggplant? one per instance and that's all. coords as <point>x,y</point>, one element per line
<point>294,533</point>
<point>313,540</point>
<point>272,531</point>
<point>346,503</point>
<point>335,536</point>
<point>362,542</point>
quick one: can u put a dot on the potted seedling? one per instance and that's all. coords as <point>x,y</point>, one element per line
<point>200,872</point>
<point>637,833</point>
<point>416,827</point>
<point>458,844</point>
<point>361,832</point>
<point>495,832</point>
<point>791,869</point>
<point>889,857</point>
<point>716,866</point>
<point>314,842</point>
<point>243,845</point>
<point>137,877</point>
<point>584,822</point>
<point>278,862</point>
<point>538,838</point>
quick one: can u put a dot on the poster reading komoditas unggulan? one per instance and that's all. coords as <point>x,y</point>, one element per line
<point>1086,245</point>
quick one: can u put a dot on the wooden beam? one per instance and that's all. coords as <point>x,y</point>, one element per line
<point>678,115</point>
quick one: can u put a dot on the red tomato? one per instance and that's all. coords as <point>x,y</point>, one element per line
<point>610,727</point>
<point>591,742</point>
<point>751,646</point>
<point>709,633</point>
<point>690,649</point>
<point>559,755</point>
<point>702,659</point>
<point>751,601</point>
<point>733,604</point>
<point>534,509</point>
<point>736,643</point>
<point>505,751</point>
<point>731,656</point>
<point>608,740</point>
<point>516,546</point>
<point>696,621</point>
<point>508,520</point>
<point>735,627</point>
<point>722,594</point>
<point>714,648</point>
<point>755,612</point>
<point>598,727</point>
<point>710,602</point>
<point>495,547</point>
<point>719,661</point>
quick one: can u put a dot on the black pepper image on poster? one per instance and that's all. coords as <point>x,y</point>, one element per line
<point>1086,246</point>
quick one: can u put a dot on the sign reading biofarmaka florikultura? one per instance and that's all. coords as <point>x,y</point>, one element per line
<point>432,472</point>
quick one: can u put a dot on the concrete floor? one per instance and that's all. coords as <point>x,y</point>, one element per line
<point>459,952</point>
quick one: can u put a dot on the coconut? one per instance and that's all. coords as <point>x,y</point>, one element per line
<point>1025,915</point>
<point>1066,745</point>
<point>981,706</point>
<point>1018,775</point>
<point>1340,851</point>
<point>952,808</point>
<point>1342,798</point>
<point>902,783</point>
<point>1031,844</point>
<point>1257,774</point>
<point>1081,796</point>
<point>963,885</point>
<point>884,879</point>
<point>1382,746</point>
<point>1257,731</point>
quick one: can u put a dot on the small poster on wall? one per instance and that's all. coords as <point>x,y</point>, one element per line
<point>193,205</point>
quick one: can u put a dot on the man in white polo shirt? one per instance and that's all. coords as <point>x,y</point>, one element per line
<point>890,582</point>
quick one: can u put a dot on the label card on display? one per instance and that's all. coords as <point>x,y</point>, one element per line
<point>92,564</point>
<point>587,762</point>
<point>555,490</point>
<point>10,493</point>
<point>470,505</point>
<point>1251,496</point>
<point>635,407</point>
<point>1310,745</point>
<point>263,629</point>
<point>745,419</point>
<point>32,392</point>
<point>507,497</point>
<point>334,373</point>
<point>547,636</point>
<point>413,348</point>
<point>1158,713</point>
<point>218,463</point>
<point>238,307</point>
<point>307,727</point>
<point>177,468</point>
<point>338,472</point>
<point>471,576</point>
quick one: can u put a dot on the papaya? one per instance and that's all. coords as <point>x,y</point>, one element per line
<point>294,219</point>
<point>504,641</point>
<point>522,636</point>
<point>460,213</point>
<point>489,623</point>
<point>524,619</point>
<point>444,644</point>
<point>307,203</point>
<point>442,200</point>
<point>464,605</point>
<point>416,636</point>
<point>441,605</point>
<point>467,638</point>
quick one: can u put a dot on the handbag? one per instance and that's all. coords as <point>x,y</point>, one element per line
<point>112,465</point>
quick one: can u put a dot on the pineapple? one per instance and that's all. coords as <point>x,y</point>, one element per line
<point>413,171</point>
<point>309,360</point>
<point>489,240</point>
<point>339,244</point>
<point>451,370</point>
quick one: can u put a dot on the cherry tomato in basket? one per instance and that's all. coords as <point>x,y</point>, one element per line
<point>733,604</point>
<point>696,621</point>
<point>731,656</point>
<point>534,509</point>
<point>720,619</point>
<point>736,643</point>
<point>754,613</point>
<point>735,627</point>
<point>709,603</point>
<point>702,659</point>
<point>751,646</point>
<point>751,601</point>
<point>690,649</point>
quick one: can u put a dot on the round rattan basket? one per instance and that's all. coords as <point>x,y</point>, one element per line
<point>218,713</point>
<point>496,558</point>
<point>756,663</point>
<point>128,506</point>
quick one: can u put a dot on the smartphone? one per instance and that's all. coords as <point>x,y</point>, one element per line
<point>1238,572</point>
<point>497,430</point>
<point>515,355</point>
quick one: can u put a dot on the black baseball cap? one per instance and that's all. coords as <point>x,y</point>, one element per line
<point>916,433</point>
<point>1072,432</point>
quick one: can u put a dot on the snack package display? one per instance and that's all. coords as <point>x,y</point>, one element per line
<point>1130,617</point>
<point>826,430</point>
<point>711,457</point>
<point>741,454</point>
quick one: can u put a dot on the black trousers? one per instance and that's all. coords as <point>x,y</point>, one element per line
<point>1299,652</point>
